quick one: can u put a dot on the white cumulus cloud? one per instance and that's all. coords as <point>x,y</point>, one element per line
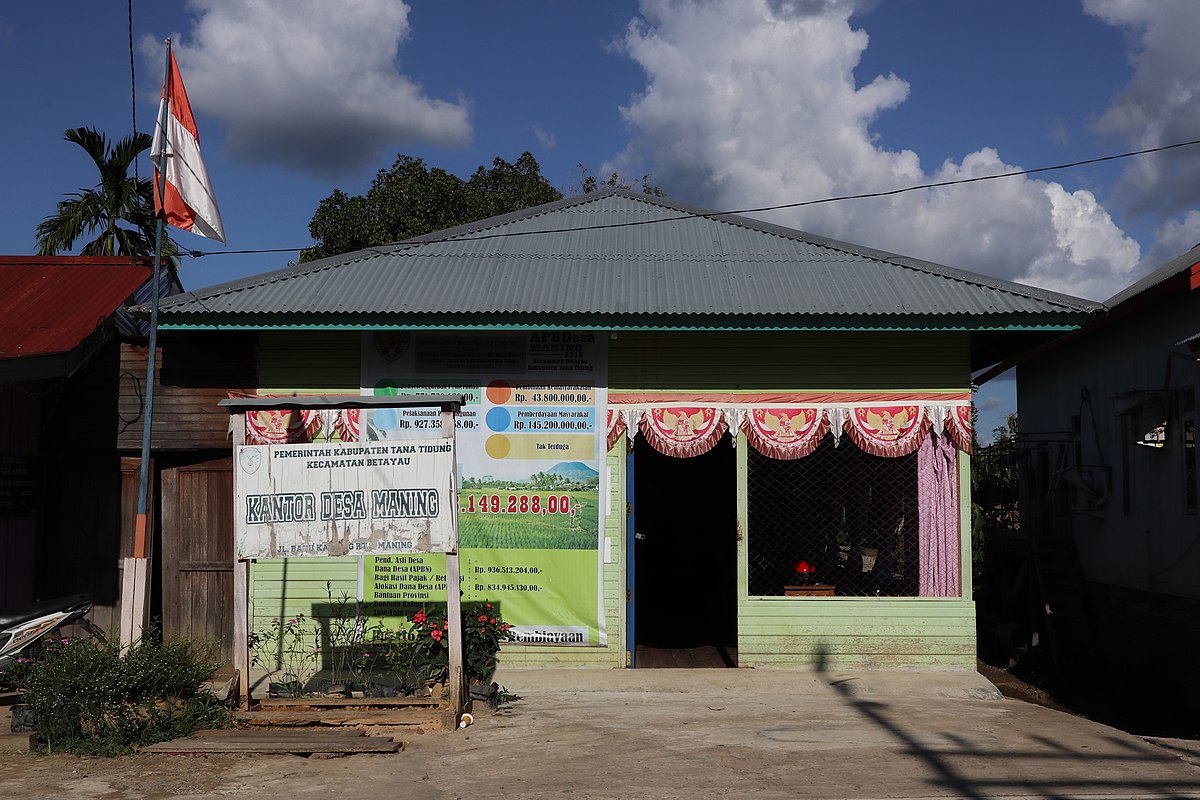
<point>752,102</point>
<point>1159,105</point>
<point>309,84</point>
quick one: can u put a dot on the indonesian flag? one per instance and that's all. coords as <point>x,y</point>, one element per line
<point>188,194</point>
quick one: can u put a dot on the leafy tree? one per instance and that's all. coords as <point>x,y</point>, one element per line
<point>995,488</point>
<point>589,183</point>
<point>510,187</point>
<point>411,199</point>
<point>116,198</point>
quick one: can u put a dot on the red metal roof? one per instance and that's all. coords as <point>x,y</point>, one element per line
<point>49,304</point>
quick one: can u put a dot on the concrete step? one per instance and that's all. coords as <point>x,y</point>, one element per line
<point>16,742</point>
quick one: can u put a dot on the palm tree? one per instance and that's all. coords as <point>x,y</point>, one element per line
<point>116,198</point>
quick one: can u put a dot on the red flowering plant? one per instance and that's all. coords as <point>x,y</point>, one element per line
<point>483,631</point>
<point>422,654</point>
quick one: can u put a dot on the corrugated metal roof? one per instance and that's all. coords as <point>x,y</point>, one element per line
<point>619,253</point>
<point>51,304</point>
<point>1164,273</point>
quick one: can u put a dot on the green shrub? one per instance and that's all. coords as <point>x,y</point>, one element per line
<point>88,699</point>
<point>483,631</point>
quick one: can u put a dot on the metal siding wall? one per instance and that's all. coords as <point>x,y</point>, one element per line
<point>1150,548</point>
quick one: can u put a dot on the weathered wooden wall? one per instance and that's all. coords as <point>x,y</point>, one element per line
<point>197,552</point>
<point>80,528</point>
<point>192,375</point>
<point>20,421</point>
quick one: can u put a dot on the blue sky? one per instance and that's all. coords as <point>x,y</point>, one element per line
<point>727,103</point>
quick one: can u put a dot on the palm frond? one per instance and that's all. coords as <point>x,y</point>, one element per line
<point>78,214</point>
<point>116,198</point>
<point>94,143</point>
<point>126,151</point>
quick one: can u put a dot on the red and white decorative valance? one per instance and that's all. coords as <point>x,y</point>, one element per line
<point>287,426</point>
<point>616,426</point>
<point>794,431</point>
<point>683,431</point>
<point>958,426</point>
<point>785,433</point>
<point>348,424</point>
<point>887,431</point>
<point>300,425</point>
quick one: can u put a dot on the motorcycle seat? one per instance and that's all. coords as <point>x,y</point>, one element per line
<point>15,616</point>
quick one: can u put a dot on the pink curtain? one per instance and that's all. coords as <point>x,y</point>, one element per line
<point>937,502</point>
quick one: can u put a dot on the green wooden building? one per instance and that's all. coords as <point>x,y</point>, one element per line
<point>688,437</point>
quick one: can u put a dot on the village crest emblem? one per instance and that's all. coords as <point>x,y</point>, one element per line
<point>251,459</point>
<point>390,345</point>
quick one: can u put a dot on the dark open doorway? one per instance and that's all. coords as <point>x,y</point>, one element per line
<point>685,576</point>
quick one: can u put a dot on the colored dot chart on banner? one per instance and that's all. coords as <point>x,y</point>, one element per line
<point>540,422</point>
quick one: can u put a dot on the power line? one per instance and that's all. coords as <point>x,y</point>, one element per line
<point>759,209</point>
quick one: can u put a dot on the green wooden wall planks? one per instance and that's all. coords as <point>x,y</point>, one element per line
<point>642,361</point>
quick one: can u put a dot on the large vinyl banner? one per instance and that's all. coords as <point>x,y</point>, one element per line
<point>337,499</point>
<point>530,443</point>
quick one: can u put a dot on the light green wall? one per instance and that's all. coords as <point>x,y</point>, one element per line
<point>772,631</point>
<point>327,362</point>
<point>719,361</point>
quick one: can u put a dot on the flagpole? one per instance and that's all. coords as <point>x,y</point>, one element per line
<point>135,578</point>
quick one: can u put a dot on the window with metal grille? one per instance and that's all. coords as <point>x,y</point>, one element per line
<point>839,521</point>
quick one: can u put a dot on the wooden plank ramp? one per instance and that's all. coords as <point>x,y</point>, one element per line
<point>270,740</point>
<point>416,714</point>
<point>274,703</point>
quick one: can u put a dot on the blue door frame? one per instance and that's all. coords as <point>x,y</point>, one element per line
<point>630,565</point>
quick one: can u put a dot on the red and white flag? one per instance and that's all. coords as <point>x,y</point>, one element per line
<point>188,194</point>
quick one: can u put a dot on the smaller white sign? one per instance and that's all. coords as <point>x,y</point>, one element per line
<point>337,499</point>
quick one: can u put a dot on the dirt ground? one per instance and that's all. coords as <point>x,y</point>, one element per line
<point>686,734</point>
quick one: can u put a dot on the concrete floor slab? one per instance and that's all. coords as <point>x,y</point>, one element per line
<point>683,735</point>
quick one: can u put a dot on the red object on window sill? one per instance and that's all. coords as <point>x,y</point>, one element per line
<point>810,590</point>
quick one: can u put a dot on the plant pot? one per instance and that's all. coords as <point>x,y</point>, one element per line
<point>335,688</point>
<point>23,720</point>
<point>285,689</point>
<point>382,690</point>
<point>487,692</point>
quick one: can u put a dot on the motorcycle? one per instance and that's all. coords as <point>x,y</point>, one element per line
<point>21,627</point>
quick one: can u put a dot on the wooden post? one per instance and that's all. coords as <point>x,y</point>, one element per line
<point>135,568</point>
<point>134,606</point>
<point>459,694</point>
<point>241,588</point>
